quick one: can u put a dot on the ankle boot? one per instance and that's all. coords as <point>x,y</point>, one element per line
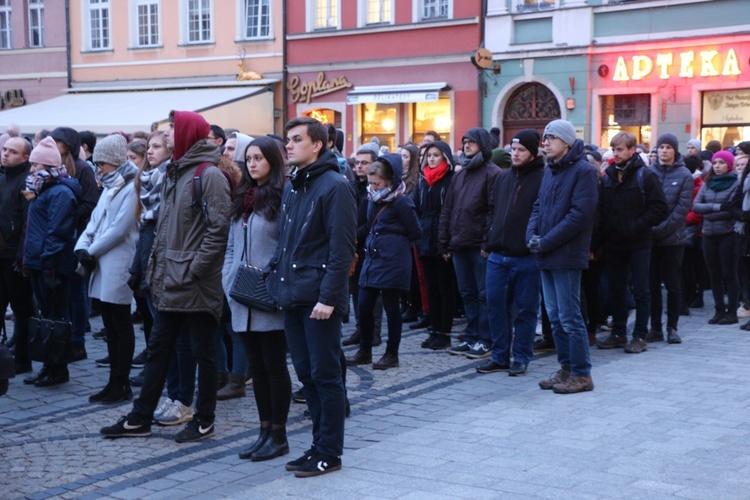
<point>95,398</point>
<point>389,360</point>
<point>275,446</point>
<point>222,380</point>
<point>729,318</point>
<point>428,340</point>
<point>376,340</point>
<point>234,389</point>
<point>119,392</point>
<point>56,376</point>
<point>262,438</point>
<point>353,339</point>
<point>362,357</point>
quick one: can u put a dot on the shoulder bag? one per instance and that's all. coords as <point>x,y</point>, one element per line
<point>249,287</point>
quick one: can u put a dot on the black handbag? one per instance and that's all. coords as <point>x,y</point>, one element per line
<point>50,341</point>
<point>249,287</point>
<point>7,362</point>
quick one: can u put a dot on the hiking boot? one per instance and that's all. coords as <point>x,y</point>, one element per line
<point>461,348</point>
<point>195,430</point>
<point>317,465</point>
<point>428,340</point>
<point>478,351</point>
<point>655,335</point>
<point>729,318</point>
<point>441,341</point>
<point>612,342</point>
<point>575,384</point>
<point>361,357</point>
<point>298,462</point>
<point>672,336</point>
<point>559,377</point>
<point>490,366</point>
<point>544,345</point>
<point>636,346</point>
<point>389,360</point>
<point>126,428</point>
<point>353,339</point>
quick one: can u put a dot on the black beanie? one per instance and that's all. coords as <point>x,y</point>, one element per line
<point>529,139</point>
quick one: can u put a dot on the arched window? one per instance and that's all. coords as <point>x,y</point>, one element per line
<point>533,106</point>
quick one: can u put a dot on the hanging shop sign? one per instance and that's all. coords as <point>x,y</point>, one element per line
<point>726,107</point>
<point>306,91</point>
<point>688,64</point>
<point>12,98</point>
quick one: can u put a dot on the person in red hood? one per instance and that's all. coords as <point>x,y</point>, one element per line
<point>184,274</point>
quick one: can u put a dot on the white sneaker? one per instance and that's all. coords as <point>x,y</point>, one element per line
<point>176,414</point>
<point>165,403</point>
<point>742,312</point>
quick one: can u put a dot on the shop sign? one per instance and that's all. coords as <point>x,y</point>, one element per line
<point>393,98</point>
<point>305,91</point>
<point>705,63</point>
<point>12,98</point>
<point>726,107</point>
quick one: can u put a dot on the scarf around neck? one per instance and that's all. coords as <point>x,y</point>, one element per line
<point>433,175</point>
<point>469,162</point>
<point>739,226</point>
<point>722,182</point>
<point>248,203</point>
<point>37,181</point>
<point>386,195</point>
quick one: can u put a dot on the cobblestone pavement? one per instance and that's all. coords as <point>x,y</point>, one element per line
<point>671,422</point>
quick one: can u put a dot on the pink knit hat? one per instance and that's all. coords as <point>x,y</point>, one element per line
<point>46,153</point>
<point>726,156</point>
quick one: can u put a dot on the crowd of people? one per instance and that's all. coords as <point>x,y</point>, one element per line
<point>544,227</point>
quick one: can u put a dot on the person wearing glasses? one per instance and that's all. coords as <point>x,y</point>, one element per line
<point>559,233</point>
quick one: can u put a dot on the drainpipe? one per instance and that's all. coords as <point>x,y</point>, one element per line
<point>67,42</point>
<point>480,87</point>
<point>284,73</point>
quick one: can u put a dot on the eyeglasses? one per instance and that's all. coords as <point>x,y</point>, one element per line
<point>467,141</point>
<point>99,164</point>
<point>549,138</point>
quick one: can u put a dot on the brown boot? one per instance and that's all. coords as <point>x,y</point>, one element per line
<point>222,380</point>
<point>558,377</point>
<point>353,339</point>
<point>574,384</point>
<point>361,357</point>
<point>234,389</point>
<point>387,361</point>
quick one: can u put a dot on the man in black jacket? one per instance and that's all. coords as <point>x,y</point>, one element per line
<point>308,278</point>
<point>631,202</point>
<point>512,273</point>
<point>14,287</point>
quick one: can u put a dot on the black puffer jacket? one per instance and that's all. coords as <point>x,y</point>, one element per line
<point>13,207</point>
<point>317,229</point>
<point>428,202</point>
<point>677,184</point>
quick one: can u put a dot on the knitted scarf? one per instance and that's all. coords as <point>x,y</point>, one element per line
<point>37,181</point>
<point>433,175</point>
<point>722,182</point>
<point>150,195</point>
<point>385,195</point>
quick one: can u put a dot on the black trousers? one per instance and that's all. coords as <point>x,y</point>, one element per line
<point>666,267</point>
<point>120,340</point>
<point>266,354</point>
<point>441,295</point>
<point>16,290</point>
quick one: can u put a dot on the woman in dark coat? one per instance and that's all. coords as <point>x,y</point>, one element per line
<point>387,268</point>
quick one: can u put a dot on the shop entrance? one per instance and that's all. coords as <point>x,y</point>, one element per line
<point>530,106</point>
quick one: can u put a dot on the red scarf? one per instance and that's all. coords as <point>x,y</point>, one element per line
<point>433,175</point>
<point>249,202</point>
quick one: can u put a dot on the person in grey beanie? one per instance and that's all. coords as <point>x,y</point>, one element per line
<point>694,147</point>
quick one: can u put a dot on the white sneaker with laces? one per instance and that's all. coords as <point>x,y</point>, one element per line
<point>165,403</point>
<point>176,414</point>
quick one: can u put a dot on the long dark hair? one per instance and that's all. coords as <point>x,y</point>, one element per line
<point>412,176</point>
<point>267,196</point>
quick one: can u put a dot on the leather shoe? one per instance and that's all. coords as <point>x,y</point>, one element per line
<point>422,322</point>
<point>275,446</point>
<point>360,358</point>
<point>409,316</point>
<point>97,397</point>
<point>517,368</point>
<point>388,360</point>
<point>78,353</point>
<point>262,438</point>
<point>54,377</point>
<point>672,337</point>
<point>33,379</point>
<point>352,340</point>
<point>376,340</point>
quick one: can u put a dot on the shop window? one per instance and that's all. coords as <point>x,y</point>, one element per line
<point>530,106</point>
<point>626,113</point>
<point>99,24</point>
<point>257,18</point>
<point>325,116</point>
<point>726,117</point>
<point>379,120</point>
<point>36,23</point>
<point>435,116</point>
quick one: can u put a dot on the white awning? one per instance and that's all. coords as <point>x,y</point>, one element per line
<point>107,112</point>
<point>413,92</point>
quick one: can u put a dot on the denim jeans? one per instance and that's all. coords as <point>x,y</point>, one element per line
<point>167,328</point>
<point>621,266</point>
<point>512,281</point>
<point>315,348</point>
<point>562,298</point>
<point>666,266</point>
<point>181,374</point>
<point>471,276</point>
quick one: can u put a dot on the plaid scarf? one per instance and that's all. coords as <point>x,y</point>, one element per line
<point>37,181</point>
<point>385,195</point>
<point>150,195</point>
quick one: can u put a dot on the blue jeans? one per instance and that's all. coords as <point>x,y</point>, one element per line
<point>181,374</point>
<point>471,272</point>
<point>620,266</point>
<point>562,298</point>
<point>512,280</point>
<point>315,347</point>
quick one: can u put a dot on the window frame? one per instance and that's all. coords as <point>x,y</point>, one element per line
<point>135,24</point>
<point>186,32</point>
<point>36,6</point>
<point>99,6</point>
<point>244,26</point>
<point>312,18</point>
<point>420,6</point>
<point>6,34</point>
<point>363,10</point>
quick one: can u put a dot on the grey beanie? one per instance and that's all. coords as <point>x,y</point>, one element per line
<point>112,149</point>
<point>695,143</point>
<point>562,129</point>
<point>372,146</point>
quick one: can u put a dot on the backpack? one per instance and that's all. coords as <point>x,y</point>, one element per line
<point>198,189</point>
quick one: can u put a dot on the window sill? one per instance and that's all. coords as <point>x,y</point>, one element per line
<point>146,47</point>
<point>197,44</point>
<point>97,51</point>
<point>257,39</point>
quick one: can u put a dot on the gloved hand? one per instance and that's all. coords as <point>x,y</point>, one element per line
<point>134,282</point>
<point>87,260</point>
<point>535,244</point>
<point>50,278</point>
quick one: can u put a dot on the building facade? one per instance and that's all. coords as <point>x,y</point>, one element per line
<point>644,66</point>
<point>391,69</point>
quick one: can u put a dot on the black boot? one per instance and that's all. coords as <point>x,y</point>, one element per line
<point>56,376</point>
<point>275,446</point>
<point>262,438</point>
<point>39,376</point>
<point>119,392</point>
<point>96,398</point>
<point>352,340</point>
<point>422,322</point>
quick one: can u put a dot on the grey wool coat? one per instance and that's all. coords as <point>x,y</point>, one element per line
<point>262,239</point>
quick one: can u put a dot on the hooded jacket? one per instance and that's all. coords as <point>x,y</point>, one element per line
<point>429,201</point>
<point>564,212</point>
<point>516,190</point>
<point>628,210</point>
<point>13,207</point>
<point>677,184</point>
<point>317,229</point>
<point>388,247</point>
<point>50,229</point>
<point>184,272</point>
<point>464,215</point>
